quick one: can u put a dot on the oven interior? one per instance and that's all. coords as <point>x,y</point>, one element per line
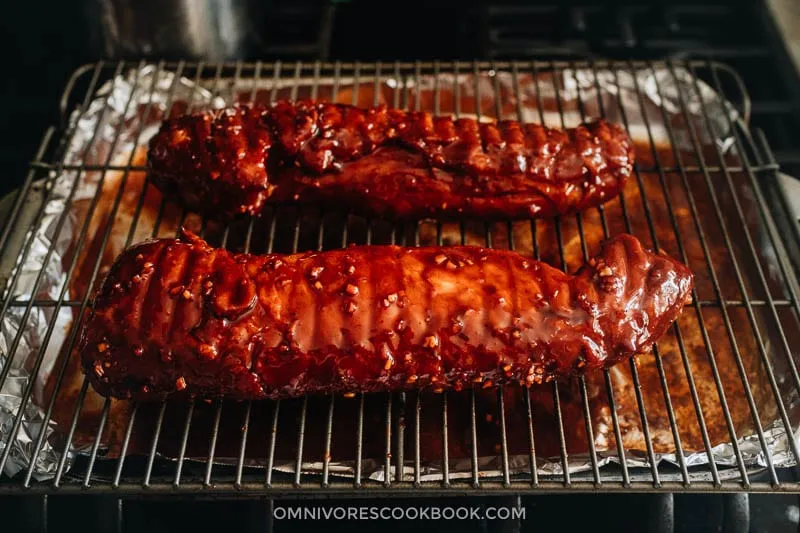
<point>699,37</point>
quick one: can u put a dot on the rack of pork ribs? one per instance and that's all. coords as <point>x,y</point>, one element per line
<point>179,316</point>
<point>385,162</point>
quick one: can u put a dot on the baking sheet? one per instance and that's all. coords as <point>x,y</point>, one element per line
<point>133,104</point>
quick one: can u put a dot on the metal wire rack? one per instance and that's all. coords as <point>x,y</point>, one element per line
<point>729,223</point>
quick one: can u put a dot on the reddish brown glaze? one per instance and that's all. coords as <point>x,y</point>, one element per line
<point>385,162</point>
<point>179,315</point>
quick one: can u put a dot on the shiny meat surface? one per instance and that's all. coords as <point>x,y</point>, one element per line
<point>384,162</point>
<point>181,316</point>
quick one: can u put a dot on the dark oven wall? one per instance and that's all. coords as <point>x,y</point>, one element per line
<point>43,42</point>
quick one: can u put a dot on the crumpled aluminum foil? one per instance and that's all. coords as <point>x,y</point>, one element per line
<point>92,133</point>
<point>116,105</point>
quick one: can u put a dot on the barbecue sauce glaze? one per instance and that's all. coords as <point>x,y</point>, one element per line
<point>384,162</point>
<point>176,315</point>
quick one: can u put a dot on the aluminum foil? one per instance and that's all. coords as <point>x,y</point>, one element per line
<point>126,111</point>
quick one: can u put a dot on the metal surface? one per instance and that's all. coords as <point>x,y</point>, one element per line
<point>136,475</point>
<point>212,29</point>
